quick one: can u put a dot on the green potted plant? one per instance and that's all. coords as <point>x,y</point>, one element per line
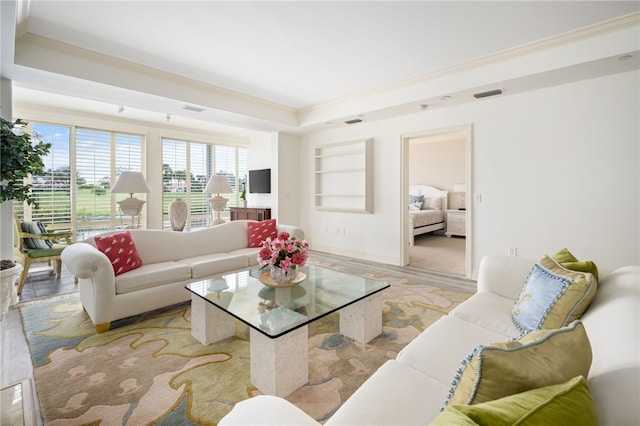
<point>19,157</point>
<point>243,196</point>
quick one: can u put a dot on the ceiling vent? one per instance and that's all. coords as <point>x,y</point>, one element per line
<point>488,93</point>
<point>192,108</point>
<point>354,121</point>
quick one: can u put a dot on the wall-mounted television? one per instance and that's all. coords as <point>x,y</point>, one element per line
<point>260,181</point>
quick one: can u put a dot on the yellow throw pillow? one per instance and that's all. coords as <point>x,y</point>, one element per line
<point>540,358</point>
<point>569,403</point>
<point>569,261</point>
<point>552,296</point>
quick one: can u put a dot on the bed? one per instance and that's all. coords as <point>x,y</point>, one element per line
<point>428,215</point>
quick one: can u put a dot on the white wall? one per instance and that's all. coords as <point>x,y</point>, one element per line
<point>555,168</point>
<point>438,163</point>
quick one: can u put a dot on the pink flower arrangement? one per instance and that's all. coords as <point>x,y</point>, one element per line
<point>284,252</point>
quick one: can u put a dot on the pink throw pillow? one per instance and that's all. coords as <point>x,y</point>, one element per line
<point>260,231</point>
<point>120,250</point>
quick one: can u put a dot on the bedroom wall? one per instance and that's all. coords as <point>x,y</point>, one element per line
<point>438,162</point>
<point>554,168</point>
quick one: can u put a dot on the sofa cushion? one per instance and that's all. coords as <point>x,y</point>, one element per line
<point>35,228</point>
<point>250,252</point>
<point>568,403</point>
<point>153,275</point>
<point>452,337</point>
<point>540,358</point>
<point>213,264</point>
<point>489,310</point>
<point>394,395</point>
<point>552,296</point>
<point>260,231</point>
<point>121,251</point>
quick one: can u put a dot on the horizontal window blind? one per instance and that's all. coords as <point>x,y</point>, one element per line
<point>187,167</point>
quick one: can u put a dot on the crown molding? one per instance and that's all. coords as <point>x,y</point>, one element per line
<point>605,27</point>
<point>32,40</point>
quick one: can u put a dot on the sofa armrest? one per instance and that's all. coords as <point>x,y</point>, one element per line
<point>503,275</point>
<point>267,410</point>
<point>97,281</point>
<point>293,231</point>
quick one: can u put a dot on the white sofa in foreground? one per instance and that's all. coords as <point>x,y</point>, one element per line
<point>170,260</point>
<point>411,389</point>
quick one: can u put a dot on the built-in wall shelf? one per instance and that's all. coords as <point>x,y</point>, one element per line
<point>344,176</point>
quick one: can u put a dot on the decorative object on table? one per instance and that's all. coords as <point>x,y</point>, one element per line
<point>178,210</point>
<point>284,255</point>
<point>276,278</point>
<point>9,272</point>
<point>218,184</point>
<point>130,182</point>
<point>243,196</point>
<point>461,188</point>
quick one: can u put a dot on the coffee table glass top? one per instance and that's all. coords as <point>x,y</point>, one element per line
<point>277,311</point>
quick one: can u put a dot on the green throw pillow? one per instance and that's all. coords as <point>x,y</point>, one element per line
<point>552,296</point>
<point>569,403</point>
<point>540,358</point>
<point>569,261</point>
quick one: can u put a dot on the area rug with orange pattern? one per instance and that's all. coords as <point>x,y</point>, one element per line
<point>149,369</point>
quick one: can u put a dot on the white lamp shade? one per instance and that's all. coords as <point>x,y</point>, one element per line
<point>218,184</point>
<point>131,182</point>
<point>459,187</point>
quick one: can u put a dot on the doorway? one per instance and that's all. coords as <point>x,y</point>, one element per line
<point>441,159</point>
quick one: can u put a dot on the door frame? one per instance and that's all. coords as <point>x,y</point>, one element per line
<point>404,167</point>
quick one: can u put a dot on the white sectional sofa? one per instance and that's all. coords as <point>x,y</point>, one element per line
<point>411,389</point>
<point>170,260</point>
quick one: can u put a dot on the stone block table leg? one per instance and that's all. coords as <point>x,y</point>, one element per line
<point>362,321</point>
<point>209,323</point>
<point>279,366</point>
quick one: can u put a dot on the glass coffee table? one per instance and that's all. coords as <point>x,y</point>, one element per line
<point>278,318</point>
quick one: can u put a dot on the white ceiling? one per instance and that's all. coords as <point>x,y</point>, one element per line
<point>296,56</point>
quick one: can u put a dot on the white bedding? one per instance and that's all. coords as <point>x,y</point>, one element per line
<point>418,218</point>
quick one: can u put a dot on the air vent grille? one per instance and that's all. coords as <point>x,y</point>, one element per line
<point>192,108</point>
<point>493,92</point>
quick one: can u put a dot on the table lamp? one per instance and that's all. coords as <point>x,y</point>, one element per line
<point>218,184</point>
<point>129,183</point>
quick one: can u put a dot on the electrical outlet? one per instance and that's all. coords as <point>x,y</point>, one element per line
<point>513,251</point>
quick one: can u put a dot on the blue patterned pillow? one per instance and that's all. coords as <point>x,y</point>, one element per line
<point>540,293</point>
<point>416,199</point>
<point>35,228</point>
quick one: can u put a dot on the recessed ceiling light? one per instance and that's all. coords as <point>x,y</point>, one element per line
<point>625,57</point>
<point>445,98</point>
<point>424,106</point>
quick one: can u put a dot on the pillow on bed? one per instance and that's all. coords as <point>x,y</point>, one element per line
<point>432,204</point>
<point>415,206</point>
<point>416,198</point>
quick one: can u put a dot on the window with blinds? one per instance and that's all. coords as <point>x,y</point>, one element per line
<point>52,189</point>
<point>74,192</point>
<point>187,167</point>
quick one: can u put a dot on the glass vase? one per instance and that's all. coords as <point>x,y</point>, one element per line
<point>278,275</point>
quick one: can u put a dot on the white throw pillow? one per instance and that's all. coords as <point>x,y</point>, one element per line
<point>432,204</point>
